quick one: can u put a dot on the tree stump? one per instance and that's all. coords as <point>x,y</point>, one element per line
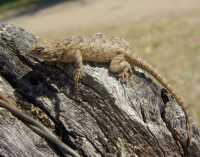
<point>104,118</point>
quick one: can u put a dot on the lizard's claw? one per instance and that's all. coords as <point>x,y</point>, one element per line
<point>77,76</point>
<point>125,75</point>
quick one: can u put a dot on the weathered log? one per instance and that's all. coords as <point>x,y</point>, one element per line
<point>104,118</point>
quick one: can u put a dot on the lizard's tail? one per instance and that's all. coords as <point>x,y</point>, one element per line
<point>138,62</point>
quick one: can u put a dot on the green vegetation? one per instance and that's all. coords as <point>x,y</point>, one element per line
<point>8,5</point>
<point>16,5</point>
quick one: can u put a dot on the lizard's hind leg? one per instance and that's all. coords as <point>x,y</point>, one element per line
<point>120,66</point>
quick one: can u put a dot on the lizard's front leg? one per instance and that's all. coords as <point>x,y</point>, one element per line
<point>121,66</point>
<point>78,67</point>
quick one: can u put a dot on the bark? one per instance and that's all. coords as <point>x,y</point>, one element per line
<point>104,118</point>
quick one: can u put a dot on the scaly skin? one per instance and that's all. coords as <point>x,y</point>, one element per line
<point>100,49</point>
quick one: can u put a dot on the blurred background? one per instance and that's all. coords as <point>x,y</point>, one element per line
<point>166,33</point>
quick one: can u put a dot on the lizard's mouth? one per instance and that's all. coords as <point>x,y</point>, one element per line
<point>44,54</point>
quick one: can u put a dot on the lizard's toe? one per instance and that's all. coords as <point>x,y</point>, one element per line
<point>124,77</point>
<point>78,76</point>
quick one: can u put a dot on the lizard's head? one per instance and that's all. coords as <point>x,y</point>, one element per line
<point>45,53</point>
<point>40,52</point>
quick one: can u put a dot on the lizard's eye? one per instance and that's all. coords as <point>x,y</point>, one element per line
<point>38,49</point>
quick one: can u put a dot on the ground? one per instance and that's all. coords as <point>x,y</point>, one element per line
<point>165,33</point>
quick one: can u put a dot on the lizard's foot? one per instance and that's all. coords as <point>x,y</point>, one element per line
<point>77,76</point>
<point>125,75</point>
<point>120,66</point>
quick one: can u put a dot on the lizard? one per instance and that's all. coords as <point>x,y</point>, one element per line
<point>100,49</point>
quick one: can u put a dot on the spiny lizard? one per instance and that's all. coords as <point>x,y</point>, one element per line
<point>98,48</point>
